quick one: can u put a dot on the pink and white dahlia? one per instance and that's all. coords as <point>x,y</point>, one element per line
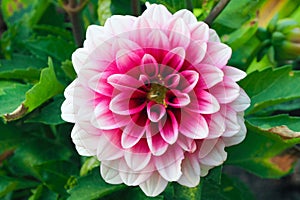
<point>154,100</point>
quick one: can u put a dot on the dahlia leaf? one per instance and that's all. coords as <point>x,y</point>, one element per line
<point>42,192</point>
<point>28,11</point>
<point>21,67</point>
<point>186,193</point>
<point>270,87</point>
<point>92,186</point>
<point>47,87</point>
<point>33,153</point>
<point>10,138</point>
<point>56,47</point>
<point>55,174</point>
<point>266,148</point>
<point>9,184</point>
<point>103,10</point>
<point>12,94</point>
<point>50,114</point>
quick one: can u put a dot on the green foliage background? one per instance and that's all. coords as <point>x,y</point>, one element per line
<point>37,157</point>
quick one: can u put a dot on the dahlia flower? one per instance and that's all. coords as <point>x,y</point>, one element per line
<point>154,100</point>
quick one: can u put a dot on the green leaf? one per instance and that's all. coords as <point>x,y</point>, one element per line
<point>88,165</point>
<point>270,87</point>
<point>55,174</point>
<point>12,94</point>
<point>92,186</point>
<point>10,138</point>
<point>21,67</point>
<point>243,12</point>
<point>55,47</point>
<point>9,184</point>
<point>25,11</point>
<point>103,10</point>
<point>68,69</point>
<point>186,193</point>
<point>120,7</point>
<point>50,114</point>
<point>34,152</point>
<point>262,150</point>
<point>211,184</point>
<point>233,188</point>
<point>46,88</point>
<point>43,193</point>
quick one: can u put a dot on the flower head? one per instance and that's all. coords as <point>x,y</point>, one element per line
<point>154,99</point>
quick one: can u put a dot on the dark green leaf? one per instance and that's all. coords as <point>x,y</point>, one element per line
<point>270,87</point>
<point>55,47</point>
<point>261,148</point>
<point>8,184</point>
<point>12,94</point>
<point>55,174</point>
<point>186,193</point>
<point>92,187</point>
<point>21,67</point>
<point>35,152</point>
<point>43,193</point>
<point>10,138</point>
<point>50,114</point>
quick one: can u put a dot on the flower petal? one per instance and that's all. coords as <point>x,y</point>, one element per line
<point>86,144</point>
<point>109,145</point>
<point>132,134</point>
<point>179,34</point>
<point>130,177</point>
<point>156,143</point>
<point>193,125</point>
<point>177,99</point>
<point>174,58</point>
<point>217,54</point>
<point>109,172</point>
<point>149,66</point>
<point>118,24</point>
<point>190,171</point>
<point>216,156</point>
<point>187,16</point>
<point>172,81</point>
<point>188,81</point>
<point>127,104</point>
<point>124,82</point>
<point>199,31</point>
<point>226,91</point>
<point>234,73</point>
<point>155,111</point>
<point>241,103</point>
<point>196,52</point>
<point>157,39</point>
<point>203,102</point>
<point>154,185</point>
<point>169,164</point>
<point>169,129</point>
<point>157,13</point>
<point>210,75</point>
<point>139,156</point>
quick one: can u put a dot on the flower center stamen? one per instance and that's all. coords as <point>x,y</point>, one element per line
<point>157,93</point>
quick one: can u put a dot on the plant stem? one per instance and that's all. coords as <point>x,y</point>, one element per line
<point>73,8</point>
<point>216,11</point>
<point>136,8</point>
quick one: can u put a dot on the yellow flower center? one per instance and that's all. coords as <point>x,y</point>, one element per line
<point>157,93</point>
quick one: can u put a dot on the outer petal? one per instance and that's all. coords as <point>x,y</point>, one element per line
<point>157,13</point>
<point>119,24</point>
<point>190,171</point>
<point>217,156</point>
<point>169,164</point>
<point>187,16</point>
<point>110,171</point>
<point>218,54</point>
<point>86,144</point>
<point>179,34</point>
<point>154,185</point>
<point>130,177</point>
